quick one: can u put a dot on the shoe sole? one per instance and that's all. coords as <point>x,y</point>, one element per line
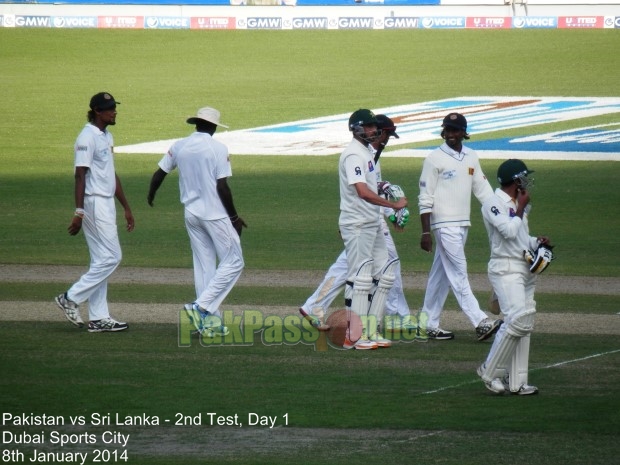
<point>491,332</point>
<point>322,327</point>
<point>74,323</point>
<point>375,347</point>
<point>441,338</point>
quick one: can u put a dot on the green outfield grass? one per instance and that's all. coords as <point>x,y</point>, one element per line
<point>414,403</point>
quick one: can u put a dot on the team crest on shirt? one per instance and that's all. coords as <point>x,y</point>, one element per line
<point>512,213</point>
<point>471,171</point>
<point>371,166</point>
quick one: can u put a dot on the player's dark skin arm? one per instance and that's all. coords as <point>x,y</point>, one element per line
<point>156,180</point>
<point>426,241</point>
<point>80,188</point>
<point>223,190</point>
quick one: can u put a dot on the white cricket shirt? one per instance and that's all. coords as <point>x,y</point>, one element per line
<point>94,150</point>
<point>447,181</point>
<point>357,165</point>
<point>508,234</point>
<point>201,161</point>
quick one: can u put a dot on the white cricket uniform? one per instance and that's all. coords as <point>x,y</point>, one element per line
<point>94,150</point>
<point>359,222</point>
<point>447,181</point>
<point>509,273</point>
<point>201,161</point>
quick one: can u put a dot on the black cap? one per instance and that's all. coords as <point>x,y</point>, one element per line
<point>386,124</point>
<point>102,101</point>
<point>455,120</point>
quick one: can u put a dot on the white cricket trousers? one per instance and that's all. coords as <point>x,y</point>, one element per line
<point>449,270</point>
<point>218,259</point>
<point>363,242</point>
<point>514,285</point>
<point>101,233</point>
<point>336,276</point>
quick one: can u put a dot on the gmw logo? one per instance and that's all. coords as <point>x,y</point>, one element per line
<point>309,23</point>
<point>355,23</point>
<point>265,23</point>
<point>401,23</point>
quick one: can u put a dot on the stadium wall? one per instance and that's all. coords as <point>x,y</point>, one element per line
<point>368,14</point>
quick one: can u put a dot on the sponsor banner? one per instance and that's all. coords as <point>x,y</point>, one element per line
<point>166,22</point>
<point>310,23</point>
<point>27,21</point>
<point>581,22</point>
<point>417,122</point>
<point>529,22</point>
<point>401,22</point>
<point>273,22</point>
<point>211,22</point>
<point>487,22</point>
<point>125,22</point>
<point>443,22</point>
<point>356,22</point>
<point>74,21</point>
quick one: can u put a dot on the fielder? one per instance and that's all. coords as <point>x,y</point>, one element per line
<point>211,220</point>
<point>360,228</point>
<point>398,316</point>
<point>516,259</point>
<point>96,185</point>
<point>450,174</point>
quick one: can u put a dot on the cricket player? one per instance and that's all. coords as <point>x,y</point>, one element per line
<point>397,313</point>
<point>96,185</point>
<point>211,219</point>
<point>450,174</point>
<point>513,279</point>
<point>360,228</point>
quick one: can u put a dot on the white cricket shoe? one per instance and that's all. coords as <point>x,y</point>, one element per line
<point>380,341</point>
<point>525,390</point>
<point>496,385</point>
<point>71,309</point>
<point>106,325</point>
<point>364,343</point>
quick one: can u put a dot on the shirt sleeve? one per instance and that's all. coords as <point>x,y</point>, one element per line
<point>494,213</point>
<point>481,187</point>
<point>354,167</point>
<point>168,162</point>
<point>427,184</point>
<point>84,151</point>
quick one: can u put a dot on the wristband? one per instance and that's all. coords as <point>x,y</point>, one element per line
<point>426,233</point>
<point>79,212</point>
<point>234,218</point>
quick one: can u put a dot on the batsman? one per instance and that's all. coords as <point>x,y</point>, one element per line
<point>370,275</point>
<point>516,260</point>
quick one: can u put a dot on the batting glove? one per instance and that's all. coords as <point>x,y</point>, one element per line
<point>400,218</point>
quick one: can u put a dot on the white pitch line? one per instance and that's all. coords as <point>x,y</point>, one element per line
<point>434,391</point>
